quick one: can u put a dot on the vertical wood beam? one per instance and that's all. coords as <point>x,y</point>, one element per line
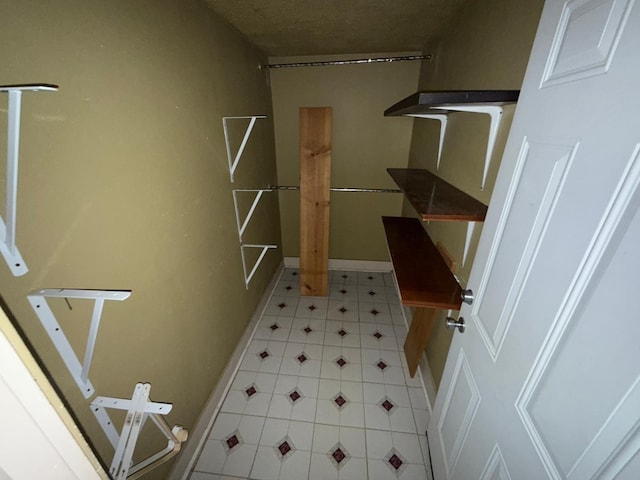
<point>315,180</point>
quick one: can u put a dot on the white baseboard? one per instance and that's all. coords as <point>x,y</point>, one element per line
<point>354,265</point>
<point>198,436</point>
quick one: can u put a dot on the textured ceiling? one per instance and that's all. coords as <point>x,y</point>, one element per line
<point>319,27</point>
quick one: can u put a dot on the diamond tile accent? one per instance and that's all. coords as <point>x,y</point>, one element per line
<point>387,405</point>
<point>250,391</point>
<point>338,455</point>
<point>264,354</point>
<point>374,312</point>
<point>370,277</point>
<point>307,329</point>
<point>232,442</point>
<point>344,275</point>
<point>282,305</point>
<point>372,293</point>
<point>312,307</point>
<point>342,332</point>
<point>343,291</point>
<point>381,365</point>
<point>294,273</point>
<point>341,361</point>
<point>377,335</point>
<point>340,400</point>
<point>274,327</point>
<point>302,358</point>
<point>342,310</point>
<point>284,448</point>
<point>395,461</point>
<point>288,288</point>
<point>294,395</point>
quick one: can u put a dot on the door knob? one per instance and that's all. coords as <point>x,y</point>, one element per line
<point>459,324</point>
<point>467,296</point>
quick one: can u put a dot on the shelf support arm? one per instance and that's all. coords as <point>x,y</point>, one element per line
<point>495,112</point>
<point>442,118</point>
<point>234,160</point>
<point>8,230</point>
<point>265,249</point>
<point>242,224</point>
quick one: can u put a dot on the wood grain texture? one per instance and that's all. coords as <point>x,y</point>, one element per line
<point>435,199</point>
<point>315,180</point>
<point>422,324</point>
<point>424,279</point>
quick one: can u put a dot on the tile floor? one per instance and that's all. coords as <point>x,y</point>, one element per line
<point>323,391</point>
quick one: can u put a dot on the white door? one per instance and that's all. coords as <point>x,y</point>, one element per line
<point>545,381</point>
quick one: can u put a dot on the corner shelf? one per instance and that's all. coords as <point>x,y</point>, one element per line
<point>436,104</point>
<point>424,279</point>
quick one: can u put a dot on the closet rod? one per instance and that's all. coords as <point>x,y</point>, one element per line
<point>349,62</point>
<point>341,189</point>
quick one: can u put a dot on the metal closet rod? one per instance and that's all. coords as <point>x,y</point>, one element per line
<point>405,58</point>
<point>340,189</point>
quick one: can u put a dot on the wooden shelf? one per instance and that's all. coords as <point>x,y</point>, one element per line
<point>423,277</point>
<point>423,102</point>
<point>435,199</point>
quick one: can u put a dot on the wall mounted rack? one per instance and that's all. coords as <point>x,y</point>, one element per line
<point>38,300</point>
<point>429,103</point>
<point>8,246</point>
<point>138,409</point>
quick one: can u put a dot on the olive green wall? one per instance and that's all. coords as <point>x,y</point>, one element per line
<point>124,184</point>
<point>365,144</point>
<point>487,48</point>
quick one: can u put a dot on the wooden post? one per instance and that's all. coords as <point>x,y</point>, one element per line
<point>315,181</point>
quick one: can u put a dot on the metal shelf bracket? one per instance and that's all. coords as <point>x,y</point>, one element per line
<point>495,112</point>
<point>79,372</point>
<point>243,223</point>
<point>234,160</point>
<point>138,409</point>
<point>249,276</point>
<point>442,118</point>
<point>471,226</point>
<point>8,246</point>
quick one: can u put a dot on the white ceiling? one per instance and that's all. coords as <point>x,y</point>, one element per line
<point>319,27</point>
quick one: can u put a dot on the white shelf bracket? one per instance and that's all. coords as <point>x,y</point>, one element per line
<point>8,246</point>
<point>265,249</point>
<point>495,112</point>
<point>243,223</point>
<point>471,226</point>
<point>442,118</point>
<point>38,301</point>
<point>234,160</point>
<point>138,409</point>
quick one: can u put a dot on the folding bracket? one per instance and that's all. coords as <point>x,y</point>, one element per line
<point>248,277</point>
<point>242,224</point>
<point>442,118</point>
<point>138,409</point>
<point>235,159</point>
<point>8,246</point>
<point>495,112</point>
<point>80,372</point>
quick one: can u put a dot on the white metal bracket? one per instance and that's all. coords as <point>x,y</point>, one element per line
<point>442,118</point>
<point>495,112</point>
<point>242,224</point>
<point>8,246</point>
<point>138,409</point>
<point>249,276</point>
<point>471,226</point>
<point>80,372</point>
<point>235,159</point>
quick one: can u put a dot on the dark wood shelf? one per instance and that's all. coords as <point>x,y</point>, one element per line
<point>422,102</point>
<point>435,199</point>
<point>423,277</point>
